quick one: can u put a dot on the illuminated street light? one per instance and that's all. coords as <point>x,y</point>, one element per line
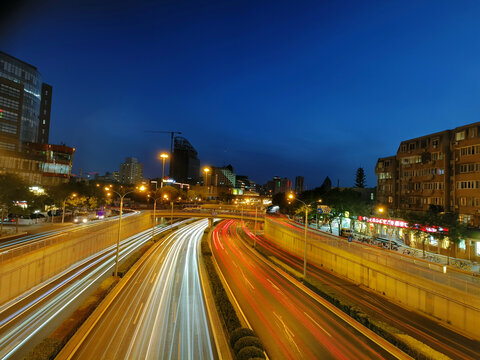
<point>110,189</point>
<point>163,156</point>
<point>292,197</point>
<point>207,171</point>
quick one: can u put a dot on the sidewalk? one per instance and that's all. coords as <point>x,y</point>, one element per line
<point>461,264</point>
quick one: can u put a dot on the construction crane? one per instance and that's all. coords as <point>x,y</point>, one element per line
<point>172,135</point>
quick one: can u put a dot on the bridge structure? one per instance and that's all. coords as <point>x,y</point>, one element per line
<point>212,214</point>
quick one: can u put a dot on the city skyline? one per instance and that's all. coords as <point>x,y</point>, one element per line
<point>313,81</point>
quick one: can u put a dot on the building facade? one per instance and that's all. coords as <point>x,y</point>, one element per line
<point>131,171</point>
<point>185,164</point>
<point>39,164</point>
<point>44,117</point>
<point>439,170</point>
<point>279,185</point>
<point>299,184</point>
<point>30,79</point>
<point>11,103</point>
<point>224,176</point>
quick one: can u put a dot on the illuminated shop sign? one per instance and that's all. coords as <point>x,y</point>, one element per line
<point>396,223</point>
<point>402,224</point>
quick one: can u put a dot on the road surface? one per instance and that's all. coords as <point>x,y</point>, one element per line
<point>290,323</point>
<point>160,313</point>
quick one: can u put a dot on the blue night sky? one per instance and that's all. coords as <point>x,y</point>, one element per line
<point>286,88</point>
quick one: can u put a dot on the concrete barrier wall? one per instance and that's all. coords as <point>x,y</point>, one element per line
<point>21,273</point>
<point>459,309</point>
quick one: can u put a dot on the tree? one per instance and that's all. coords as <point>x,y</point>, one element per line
<point>360,178</point>
<point>12,189</point>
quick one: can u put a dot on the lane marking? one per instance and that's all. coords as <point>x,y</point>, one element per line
<point>153,278</point>
<point>316,323</point>
<point>138,313</point>
<point>275,286</point>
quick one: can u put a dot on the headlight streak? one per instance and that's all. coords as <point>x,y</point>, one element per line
<point>174,323</point>
<point>12,339</point>
<point>160,313</point>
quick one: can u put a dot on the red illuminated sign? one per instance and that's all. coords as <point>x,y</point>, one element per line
<point>402,224</point>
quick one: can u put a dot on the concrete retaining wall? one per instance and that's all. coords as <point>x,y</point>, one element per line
<point>460,310</point>
<point>23,272</point>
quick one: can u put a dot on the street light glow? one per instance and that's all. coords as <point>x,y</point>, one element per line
<point>164,156</point>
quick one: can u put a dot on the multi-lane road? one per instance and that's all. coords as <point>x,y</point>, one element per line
<point>424,329</point>
<point>160,313</point>
<point>290,322</point>
<point>28,319</point>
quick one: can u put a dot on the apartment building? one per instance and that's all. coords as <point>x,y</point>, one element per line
<point>440,169</point>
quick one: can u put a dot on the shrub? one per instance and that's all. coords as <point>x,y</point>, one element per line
<point>250,352</point>
<point>247,341</point>
<point>238,334</point>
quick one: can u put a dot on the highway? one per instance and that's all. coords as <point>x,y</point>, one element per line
<point>29,318</point>
<point>290,323</point>
<point>10,244</point>
<point>422,328</point>
<point>160,313</point>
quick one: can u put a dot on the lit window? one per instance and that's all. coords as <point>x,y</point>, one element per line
<point>460,135</point>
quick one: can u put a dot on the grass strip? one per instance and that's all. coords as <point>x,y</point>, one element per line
<point>244,349</point>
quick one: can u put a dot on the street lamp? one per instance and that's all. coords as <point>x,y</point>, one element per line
<point>207,170</point>
<point>157,197</point>
<point>110,191</point>
<point>64,204</point>
<point>292,197</point>
<point>163,156</point>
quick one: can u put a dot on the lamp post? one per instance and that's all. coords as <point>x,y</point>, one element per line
<point>155,213</point>
<point>141,188</point>
<point>207,170</point>
<point>64,205</point>
<point>292,197</point>
<point>163,156</point>
<point>171,215</point>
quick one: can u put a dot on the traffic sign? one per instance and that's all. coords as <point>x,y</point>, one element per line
<point>324,209</point>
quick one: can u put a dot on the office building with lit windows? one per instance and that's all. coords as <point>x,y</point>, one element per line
<point>35,107</point>
<point>25,108</point>
<point>440,170</point>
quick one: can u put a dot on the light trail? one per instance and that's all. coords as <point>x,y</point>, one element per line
<point>281,314</point>
<point>28,315</point>
<point>165,319</point>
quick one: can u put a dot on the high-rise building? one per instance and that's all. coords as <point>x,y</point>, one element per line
<point>185,165</point>
<point>279,185</point>
<point>440,169</point>
<point>131,171</point>
<point>44,117</point>
<point>223,176</point>
<point>11,102</point>
<point>299,184</point>
<point>29,78</point>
